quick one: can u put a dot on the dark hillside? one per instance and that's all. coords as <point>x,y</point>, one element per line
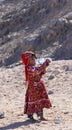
<point>39,25</point>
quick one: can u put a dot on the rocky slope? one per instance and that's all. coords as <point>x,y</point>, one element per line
<point>44,26</point>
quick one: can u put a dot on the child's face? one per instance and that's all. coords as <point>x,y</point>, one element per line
<point>32,60</point>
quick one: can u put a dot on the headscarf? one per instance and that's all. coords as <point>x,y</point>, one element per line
<point>25,58</point>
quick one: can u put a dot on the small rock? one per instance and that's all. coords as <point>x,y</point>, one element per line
<point>57,120</point>
<point>70,67</point>
<point>51,77</point>
<point>2,115</point>
<point>66,112</point>
<point>50,92</point>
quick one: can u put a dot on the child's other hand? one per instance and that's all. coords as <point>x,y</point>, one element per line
<point>48,61</point>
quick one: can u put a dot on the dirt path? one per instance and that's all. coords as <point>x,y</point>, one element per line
<point>58,79</point>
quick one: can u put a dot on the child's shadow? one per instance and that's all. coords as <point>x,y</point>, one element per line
<point>18,124</point>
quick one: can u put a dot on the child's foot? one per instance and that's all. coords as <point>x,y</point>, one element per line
<point>31,117</point>
<point>43,119</point>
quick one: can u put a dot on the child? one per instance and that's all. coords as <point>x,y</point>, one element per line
<point>36,96</point>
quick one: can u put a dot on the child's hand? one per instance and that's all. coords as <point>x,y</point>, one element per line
<point>49,60</point>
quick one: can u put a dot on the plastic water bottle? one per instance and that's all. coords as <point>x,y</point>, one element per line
<point>42,60</point>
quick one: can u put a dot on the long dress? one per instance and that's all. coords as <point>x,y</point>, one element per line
<point>36,97</point>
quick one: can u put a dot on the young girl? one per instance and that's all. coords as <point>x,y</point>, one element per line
<point>36,96</point>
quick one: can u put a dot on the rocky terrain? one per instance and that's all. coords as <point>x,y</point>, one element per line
<point>38,25</point>
<point>45,27</point>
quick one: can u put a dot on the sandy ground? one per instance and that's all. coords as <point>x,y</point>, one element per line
<point>58,79</point>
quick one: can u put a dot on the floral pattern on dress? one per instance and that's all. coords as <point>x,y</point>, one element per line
<point>36,96</point>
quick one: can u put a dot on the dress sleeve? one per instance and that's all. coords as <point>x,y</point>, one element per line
<point>35,73</point>
<point>42,67</point>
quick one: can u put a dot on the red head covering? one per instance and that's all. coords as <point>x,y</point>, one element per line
<point>25,58</point>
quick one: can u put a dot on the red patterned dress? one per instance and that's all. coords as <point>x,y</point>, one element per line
<point>36,96</point>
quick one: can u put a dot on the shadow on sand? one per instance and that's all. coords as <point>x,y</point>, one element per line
<point>18,124</point>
